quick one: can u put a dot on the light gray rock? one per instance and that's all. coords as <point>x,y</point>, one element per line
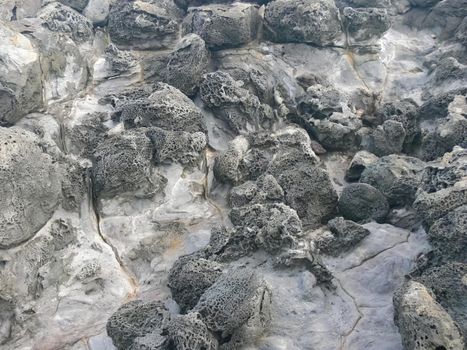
<point>223,26</point>
<point>188,332</point>
<point>302,21</point>
<point>31,187</point>
<point>423,323</point>
<point>359,163</point>
<point>97,11</point>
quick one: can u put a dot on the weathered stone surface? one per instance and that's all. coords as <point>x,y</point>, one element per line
<point>78,5</point>
<point>364,26</point>
<point>386,139</point>
<point>423,323</point>
<point>362,203</point>
<point>223,26</point>
<point>188,332</point>
<point>144,24</point>
<point>397,177</point>
<point>303,21</point>
<point>359,163</point>
<point>30,190</point>
<point>20,83</point>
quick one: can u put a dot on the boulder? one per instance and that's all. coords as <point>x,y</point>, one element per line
<point>223,26</point>
<point>237,308</point>
<point>162,106</point>
<point>145,24</point>
<point>20,72</point>
<point>188,332</point>
<point>227,163</point>
<point>78,5</point>
<point>346,234</point>
<point>422,322</point>
<point>265,189</point>
<point>183,68</point>
<point>63,19</point>
<point>448,236</point>
<point>302,21</point>
<point>235,105</point>
<point>189,277</point>
<point>320,101</point>
<point>397,177</point>
<point>386,139</point>
<point>437,107</point>
<point>359,163</point>
<point>365,26</point>
<point>435,205</point>
<point>135,321</point>
<point>445,17</point>
<point>362,203</point>
<point>97,11</point>
<point>31,186</point>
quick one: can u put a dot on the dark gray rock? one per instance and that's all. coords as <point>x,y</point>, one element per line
<point>447,282</point>
<point>359,163</point>
<point>346,234</point>
<point>433,206</point>
<point>362,203</point>
<point>446,16</point>
<point>437,106</point>
<point>365,26</point>
<point>422,322</point>
<point>163,106</point>
<point>176,146</point>
<point>8,105</point>
<point>31,188</point>
<point>320,101</point>
<point>136,320</point>
<point>234,104</point>
<point>397,177</point>
<point>448,236</point>
<point>189,277</point>
<point>386,139</point>
<point>123,163</point>
<point>78,5</point>
<point>308,188</point>
<point>182,68</point>
<point>265,190</point>
<point>119,61</point>
<point>144,24</point>
<point>188,332</point>
<point>237,308</point>
<point>223,26</point>
<point>303,21</point>
<point>272,227</point>
<point>62,19</point>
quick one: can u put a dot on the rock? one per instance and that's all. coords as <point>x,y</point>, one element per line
<point>397,177</point>
<point>386,139</point>
<point>359,163</point>
<point>123,163</point>
<point>338,132</point>
<point>365,26</point>
<point>307,188</point>
<point>320,101</point>
<point>453,169</point>
<point>176,146</point>
<point>78,5</point>
<point>445,17</point>
<point>461,33</point>
<point>447,282</point>
<point>447,133</point>
<point>189,277</point>
<point>13,10</point>
<point>424,3</point>
<point>20,83</point>
<point>237,308</point>
<point>433,206</point>
<point>234,104</point>
<point>97,11</point>
<point>265,190</point>
<point>362,203</point>
<point>345,235</point>
<point>223,26</point>
<point>188,332</point>
<point>165,107</point>
<point>272,227</point>
<point>144,24</point>
<point>62,19</point>
<point>437,107</point>
<point>135,320</point>
<point>302,21</point>
<point>118,61</point>
<point>31,187</point>
<point>422,322</point>
<point>183,68</point>
<point>448,236</point>
<point>405,112</point>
